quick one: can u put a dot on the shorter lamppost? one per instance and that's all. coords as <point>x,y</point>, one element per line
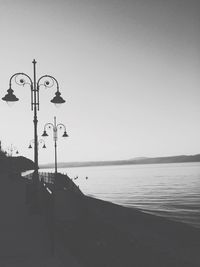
<point>41,141</point>
<point>55,127</point>
<point>11,150</point>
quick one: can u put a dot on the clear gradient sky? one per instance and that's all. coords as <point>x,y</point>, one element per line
<point>128,69</point>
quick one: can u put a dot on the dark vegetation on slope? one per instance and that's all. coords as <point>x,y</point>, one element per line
<point>15,164</point>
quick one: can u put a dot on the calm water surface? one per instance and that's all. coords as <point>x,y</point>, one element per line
<point>169,190</point>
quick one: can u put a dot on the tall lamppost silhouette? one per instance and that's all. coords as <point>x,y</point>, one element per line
<point>46,81</point>
<point>55,127</point>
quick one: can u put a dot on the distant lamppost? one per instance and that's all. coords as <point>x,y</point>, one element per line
<point>55,128</point>
<point>40,141</point>
<point>47,81</point>
<point>12,149</point>
<point>2,151</point>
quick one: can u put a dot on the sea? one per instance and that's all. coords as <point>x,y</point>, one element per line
<point>168,190</point>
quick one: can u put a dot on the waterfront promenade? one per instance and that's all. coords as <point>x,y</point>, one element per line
<point>88,232</point>
<point>24,239</point>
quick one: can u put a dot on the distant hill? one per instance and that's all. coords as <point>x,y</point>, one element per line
<point>141,160</point>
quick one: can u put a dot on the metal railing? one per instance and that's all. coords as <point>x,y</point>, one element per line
<point>46,177</point>
<point>61,180</point>
<point>51,186</point>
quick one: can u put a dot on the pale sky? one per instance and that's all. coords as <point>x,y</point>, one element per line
<point>128,70</point>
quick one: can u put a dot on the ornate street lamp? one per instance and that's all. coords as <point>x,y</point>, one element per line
<point>11,150</point>
<point>47,81</point>
<point>41,141</point>
<point>55,127</point>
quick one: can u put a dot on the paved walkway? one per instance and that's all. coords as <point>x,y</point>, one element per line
<point>24,240</point>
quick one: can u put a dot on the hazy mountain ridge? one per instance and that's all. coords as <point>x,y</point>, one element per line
<point>141,160</point>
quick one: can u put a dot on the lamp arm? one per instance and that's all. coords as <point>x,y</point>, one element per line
<point>47,83</point>
<point>22,81</point>
<point>48,124</point>
<point>61,125</point>
<point>41,141</point>
<point>32,141</point>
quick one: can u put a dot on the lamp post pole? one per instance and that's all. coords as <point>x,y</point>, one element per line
<point>54,126</point>
<point>22,79</point>
<point>55,144</point>
<point>35,122</point>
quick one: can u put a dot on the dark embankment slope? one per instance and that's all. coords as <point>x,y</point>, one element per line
<point>105,234</point>
<point>15,164</point>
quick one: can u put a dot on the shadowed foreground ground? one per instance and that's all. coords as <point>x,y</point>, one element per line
<point>90,233</point>
<point>109,235</point>
<point>24,239</point>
